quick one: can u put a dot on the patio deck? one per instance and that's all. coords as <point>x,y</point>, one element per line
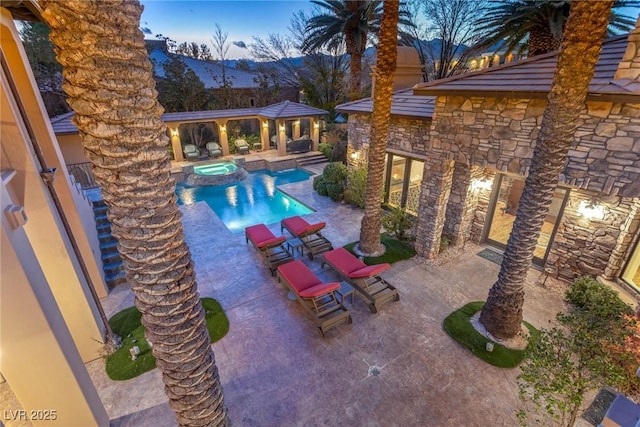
<point>395,368</point>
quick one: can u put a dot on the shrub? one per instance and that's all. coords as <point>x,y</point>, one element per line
<point>334,191</point>
<point>444,243</point>
<point>322,188</point>
<point>316,180</point>
<point>327,150</point>
<point>587,294</point>
<point>396,223</point>
<point>335,172</point>
<point>340,152</point>
<point>357,183</point>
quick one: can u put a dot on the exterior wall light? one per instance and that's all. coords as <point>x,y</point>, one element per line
<point>282,128</point>
<point>265,125</point>
<point>355,155</point>
<point>316,125</point>
<point>481,184</point>
<point>223,128</point>
<point>591,210</point>
<point>174,132</point>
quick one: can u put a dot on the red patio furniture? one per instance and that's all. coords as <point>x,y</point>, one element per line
<point>268,245</point>
<point>310,235</point>
<point>317,298</point>
<point>365,278</point>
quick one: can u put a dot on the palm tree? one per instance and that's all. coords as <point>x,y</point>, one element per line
<point>109,82</point>
<point>351,22</point>
<point>585,30</point>
<point>385,70</point>
<point>509,23</point>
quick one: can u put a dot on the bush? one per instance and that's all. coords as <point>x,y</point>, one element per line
<point>396,223</point>
<point>357,183</point>
<point>334,191</point>
<point>316,181</point>
<point>444,243</point>
<point>327,150</point>
<point>336,172</point>
<point>322,187</point>
<point>587,294</point>
<point>340,152</point>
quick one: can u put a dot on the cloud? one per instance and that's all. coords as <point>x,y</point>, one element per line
<point>240,43</point>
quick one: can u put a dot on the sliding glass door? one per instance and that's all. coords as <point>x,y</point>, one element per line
<point>402,182</point>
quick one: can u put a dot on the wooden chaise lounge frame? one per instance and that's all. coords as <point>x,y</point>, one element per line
<point>268,245</point>
<point>309,234</point>
<point>317,298</point>
<point>365,278</point>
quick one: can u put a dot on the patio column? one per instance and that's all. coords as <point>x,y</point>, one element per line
<point>176,144</point>
<point>462,203</point>
<point>224,140</point>
<point>296,129</point>
<point>264,134</point>
<point>314,124</point>
<point>434,195</point>
<point>282,137</point>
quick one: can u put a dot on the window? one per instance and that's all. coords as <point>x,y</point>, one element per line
<point>402,183</point>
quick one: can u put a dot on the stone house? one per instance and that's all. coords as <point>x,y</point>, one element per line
<point>474,136</point>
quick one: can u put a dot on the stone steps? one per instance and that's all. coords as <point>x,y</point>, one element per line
<point>111,261</point>
<point>311,160</point>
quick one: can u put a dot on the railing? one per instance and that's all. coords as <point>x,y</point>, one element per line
<point>83,174</point>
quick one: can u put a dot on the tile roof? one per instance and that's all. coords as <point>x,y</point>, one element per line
<point>532,77</point>
<point>284,110</point>
<point>404,103</point>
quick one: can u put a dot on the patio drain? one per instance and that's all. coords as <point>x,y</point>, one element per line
<point>374,371</point>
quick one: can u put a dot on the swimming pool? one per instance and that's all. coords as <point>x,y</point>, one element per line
<point>251,201</point>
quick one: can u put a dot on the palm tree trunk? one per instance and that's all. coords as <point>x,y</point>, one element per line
<point>385,68</point>
<point>355,75</point>
<point>109,81</point>
<point>585,29</point>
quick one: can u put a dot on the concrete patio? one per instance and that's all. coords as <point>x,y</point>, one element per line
<point>394,368</point>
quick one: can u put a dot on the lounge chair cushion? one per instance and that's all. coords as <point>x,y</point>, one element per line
<point>368,271</point>
<point>262,237</point>
<point>319,290</point>
<point>298,275</point>
<point>299,226</point>
<point>344,260</point>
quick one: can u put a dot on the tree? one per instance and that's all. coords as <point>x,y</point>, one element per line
<point>110,86</point>
<point>181,89</point>
<point>194,50</point>
<point>350,22</point>
<point>381,116</point>
<point>587,351</point>
<point>585,29</point>
<point>444,38</point>
<point>537,24</point>
<point>46,70</point>
<point>221,48</point>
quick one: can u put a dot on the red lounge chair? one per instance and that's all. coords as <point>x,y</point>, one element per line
<point>268,245</point>
<point>365,278</point>
<point>316,297</point>
<point>309,234</point>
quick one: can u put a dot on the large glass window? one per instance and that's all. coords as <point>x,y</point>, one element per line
<point>506,197</point>
<point>402,183</point>
<point>631,273</point>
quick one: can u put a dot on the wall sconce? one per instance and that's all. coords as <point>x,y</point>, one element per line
<point>591,210</point>
<point>282,128</point>
<point>174,132</point>
<point>296,123</point>
<point>481,184</point>
<point>265,125</point>
<point>223,128</point>
<point>355,155</point>
<point>316,125</point>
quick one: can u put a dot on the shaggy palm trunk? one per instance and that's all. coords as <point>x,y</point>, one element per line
<point>109,81</point>
<point>385,68</point>
<point>355,75</point>
<point>585,29</point>
<point>541,40</point>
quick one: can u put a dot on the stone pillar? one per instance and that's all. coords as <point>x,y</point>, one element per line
<point>629,67</point>
<point>434,195</point>
<point>224,139</point>
<point>462,203</point>
<point>624,243</point>
<point>264,134</point>
<point>176,144</point>
<point>282,137</point>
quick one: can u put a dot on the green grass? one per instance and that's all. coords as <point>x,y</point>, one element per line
<point>396,251</point>
<point>458,326</point>
<point>127,324</point>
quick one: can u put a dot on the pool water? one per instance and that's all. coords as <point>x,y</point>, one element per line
<point>222,168</point>
<point>251,201</point>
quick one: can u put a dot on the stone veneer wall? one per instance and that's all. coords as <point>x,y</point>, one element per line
<point>462,203</point>
<point>500,133</point>
<point>584,247</point>
<point>407,135</point>
<point>626,240</point>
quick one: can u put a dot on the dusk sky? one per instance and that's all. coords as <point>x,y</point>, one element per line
<point>185,21</point>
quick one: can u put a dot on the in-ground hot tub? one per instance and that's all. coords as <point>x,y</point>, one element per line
<point>219,173</point>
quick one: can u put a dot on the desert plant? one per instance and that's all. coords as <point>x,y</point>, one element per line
<point>396,222</point>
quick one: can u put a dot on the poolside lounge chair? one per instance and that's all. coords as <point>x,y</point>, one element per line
<point>316,297</point>
<point>309,234</point>
<point>214,149</point>
<point>268,245</point>
<point>243,147</point>
<point>191,152</point>
<point>365,278</point>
